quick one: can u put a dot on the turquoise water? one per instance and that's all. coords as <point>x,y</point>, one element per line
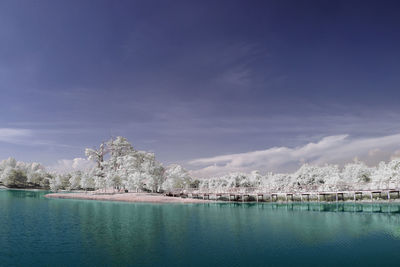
<point>58,232</point>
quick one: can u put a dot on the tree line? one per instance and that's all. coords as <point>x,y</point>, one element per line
<point>118,166</point>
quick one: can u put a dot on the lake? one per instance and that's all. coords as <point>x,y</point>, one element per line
<point>39,231</point>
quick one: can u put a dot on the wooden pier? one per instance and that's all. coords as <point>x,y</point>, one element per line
<point>243,194</point>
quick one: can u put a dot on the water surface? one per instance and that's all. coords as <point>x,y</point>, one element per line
<point>39,231</point>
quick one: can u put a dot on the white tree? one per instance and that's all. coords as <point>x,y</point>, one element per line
<point>176,177</point>
<point>97,155</point>
<point>60,181</point>
<point>75,180</point>
<point>87,180</point>
<point>357,175</point>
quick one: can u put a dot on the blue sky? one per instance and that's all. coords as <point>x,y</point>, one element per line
<point>194,80</point>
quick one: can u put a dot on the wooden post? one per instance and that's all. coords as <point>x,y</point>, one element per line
<point>337,197</point>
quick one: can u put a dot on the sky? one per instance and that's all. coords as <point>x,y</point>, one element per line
<point>216,86</point>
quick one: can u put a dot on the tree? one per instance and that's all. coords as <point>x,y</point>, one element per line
<point>75,180</point>
<point>16,178</point>
<point>176,177</point>
<point>87,181</point>
<point>97,155</point>
<point>118,148</point>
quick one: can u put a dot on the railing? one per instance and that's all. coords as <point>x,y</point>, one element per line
<point>387,185</point>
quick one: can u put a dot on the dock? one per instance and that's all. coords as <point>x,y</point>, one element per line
<point>249,194</point>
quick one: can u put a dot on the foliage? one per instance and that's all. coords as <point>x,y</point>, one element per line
<point>120,166</point>
<point>23,175</point>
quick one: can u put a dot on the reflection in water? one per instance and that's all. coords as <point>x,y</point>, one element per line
<point>21,193</point>
<point>342,207</point>
<point>316,222</point>
<point>76,232</point>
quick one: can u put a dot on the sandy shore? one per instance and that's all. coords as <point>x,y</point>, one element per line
<point>158,198</point>
<point>127,197</point>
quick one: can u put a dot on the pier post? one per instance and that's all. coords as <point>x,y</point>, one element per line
<point>272,197</point>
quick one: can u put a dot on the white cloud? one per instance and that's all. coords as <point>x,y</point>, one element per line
<point>29,137</point>
<point>14,135</point>
<point>337,149</point>
<point>69,165</point>
<point>395,154</point>
<point>374,152</point>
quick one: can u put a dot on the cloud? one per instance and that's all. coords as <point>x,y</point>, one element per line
<point>29,137</point>
<point>374,152</point>
<point>395,155</point>
<point>70,165</point>
<point>14,135</point>
<point>336,149</point>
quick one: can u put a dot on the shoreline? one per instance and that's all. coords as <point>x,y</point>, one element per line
<point>158,198</point>
<point>127,197</point>
<point>23,189</point>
